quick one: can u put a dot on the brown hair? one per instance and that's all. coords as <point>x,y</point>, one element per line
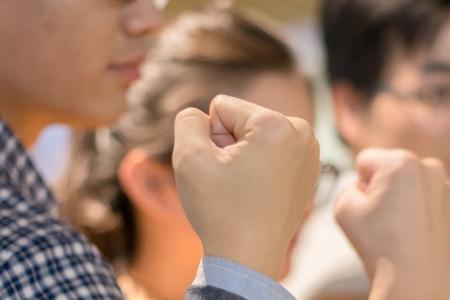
<point>201,54</point>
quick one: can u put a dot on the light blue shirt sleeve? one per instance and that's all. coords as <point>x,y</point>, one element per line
<point>239,279</point>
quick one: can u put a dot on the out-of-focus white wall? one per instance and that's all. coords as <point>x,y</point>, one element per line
<point>314,269</point>
<point>51,152</point>
<point>305,39</point>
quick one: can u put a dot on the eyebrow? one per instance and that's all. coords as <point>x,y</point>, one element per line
<point>436,67</point>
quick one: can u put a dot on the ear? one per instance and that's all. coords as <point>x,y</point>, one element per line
<point>147,184</point>
<point>351,115</point>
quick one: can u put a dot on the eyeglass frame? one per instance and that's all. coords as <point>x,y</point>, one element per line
<point>424,94</point>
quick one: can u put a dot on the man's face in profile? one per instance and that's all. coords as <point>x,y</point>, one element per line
<point>73,56</point>
<point>412,108</point>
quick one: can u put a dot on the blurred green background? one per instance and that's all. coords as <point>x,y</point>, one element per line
<point>282,10</point>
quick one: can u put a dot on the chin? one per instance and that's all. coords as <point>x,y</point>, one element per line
<point>109,112</point>
<point>98,118</point>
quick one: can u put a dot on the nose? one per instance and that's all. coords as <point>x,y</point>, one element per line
<point>141,18</point>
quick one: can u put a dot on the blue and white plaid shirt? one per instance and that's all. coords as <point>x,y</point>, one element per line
<point>40,256</point>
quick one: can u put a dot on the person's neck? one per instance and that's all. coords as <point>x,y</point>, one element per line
<point>26,122</point>
<point>160,264</point>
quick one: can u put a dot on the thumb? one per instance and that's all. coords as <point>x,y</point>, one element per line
<point>369,162</point>
<point>220,135</point>
<point>349,208</point>
<point>192,135</point>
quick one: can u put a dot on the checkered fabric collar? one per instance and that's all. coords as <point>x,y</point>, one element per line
<point>18,174</point>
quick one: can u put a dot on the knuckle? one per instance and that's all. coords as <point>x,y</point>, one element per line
<point>278,126</point>
<point>267,118</point>
<point>433,163</point>
<point>302,125</point>
<point>404,160</point>
<point>436,168</point>
<point>220,98</point>
<point>303,129</point>
<point>305,137</point>
<point>284,128</point>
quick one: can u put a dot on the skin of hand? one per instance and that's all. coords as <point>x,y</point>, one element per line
<point>398,219</point>
<point>245,175</point>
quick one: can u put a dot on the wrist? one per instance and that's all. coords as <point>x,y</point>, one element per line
<point>392,282</point>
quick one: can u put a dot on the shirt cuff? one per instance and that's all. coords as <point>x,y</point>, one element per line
<point>238,279</point>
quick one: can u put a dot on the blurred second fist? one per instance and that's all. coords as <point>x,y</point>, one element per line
<point>398,219</point>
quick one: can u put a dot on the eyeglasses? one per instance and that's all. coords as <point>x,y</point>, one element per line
<point>158,4</point>
<point>435,95</point>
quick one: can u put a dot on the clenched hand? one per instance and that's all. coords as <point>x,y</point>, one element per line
<point>245,175</point>
<point>398,219</point>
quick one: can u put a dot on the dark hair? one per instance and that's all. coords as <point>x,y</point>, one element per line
<point>359,35</point>
<point>201,54</point>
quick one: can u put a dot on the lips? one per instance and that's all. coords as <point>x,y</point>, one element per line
<point>128,69</point>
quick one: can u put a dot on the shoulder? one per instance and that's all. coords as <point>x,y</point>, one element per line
<point>40,255</point>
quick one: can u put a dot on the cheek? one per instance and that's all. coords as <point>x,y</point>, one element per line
<point>392,127</point>
<point>79,55</point>
<point>85,58</point>
<point>413,128</point>
<point>436,137</point>
<point>61,64</point>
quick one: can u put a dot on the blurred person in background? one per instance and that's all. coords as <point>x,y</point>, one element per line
<point>390,75</point>
<point>389,71</point>
<point>119,189</point>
